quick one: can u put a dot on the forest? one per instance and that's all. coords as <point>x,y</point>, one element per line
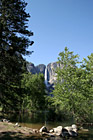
<point>20,90</point>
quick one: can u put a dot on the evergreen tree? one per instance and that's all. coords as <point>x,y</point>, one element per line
<point>14,41</point>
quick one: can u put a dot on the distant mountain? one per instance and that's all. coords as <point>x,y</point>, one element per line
<point>36,69</point>
<point>51,67</point>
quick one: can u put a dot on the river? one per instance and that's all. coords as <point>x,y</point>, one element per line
<point>83,135</point>
<point>37,122</point>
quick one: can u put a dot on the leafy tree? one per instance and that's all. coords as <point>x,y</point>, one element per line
<point>34,89</point>
<point>71,93</point>
<point>14,41</point>
<point>87,85</point>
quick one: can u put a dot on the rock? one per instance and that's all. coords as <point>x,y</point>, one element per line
<point>72,130</point>
<point>51,131</point>
<point>68,128</point>
<point>48,134</point>
<point>65,133</point>
<point>68,131</point>
<point>51,134</point>
<point>5,120</point>
<point>58,130</point>
<point>51,67</point>
<point>43,129</point>
<point>31,68</point>
<point>73,133</point>
<point>83,129</point>
<point>17,124</point>
<point>74,126</point>
<point>36,69</point>
<point>40,68</point>
<point>35,130</point>
<point>51,72</point>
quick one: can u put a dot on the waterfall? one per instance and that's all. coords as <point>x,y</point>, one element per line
<point>46,82</point>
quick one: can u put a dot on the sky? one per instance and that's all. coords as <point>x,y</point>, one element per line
<point>57,24</point>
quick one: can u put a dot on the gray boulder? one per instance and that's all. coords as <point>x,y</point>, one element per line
<point>68,128</point>
<point>43,129</point>
<point>74,126</point>
<point>73,133</point>
<point>65,133</point>
<point>56,131</point>
<point>72,130</point>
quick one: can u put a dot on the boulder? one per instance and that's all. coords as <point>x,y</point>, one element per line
<point>48,134</point>
<point>74,126</point>
<point>65,133</point>
<point>5,120</point>
<point>17,124</point>
<point>73,133</point>
<point>56,131</point>
<point>43,129</point>
<point>51,131</point>
<point>68,128</point>
<point>68,131</point>
<point>83,129</point>
<point>72,130</point>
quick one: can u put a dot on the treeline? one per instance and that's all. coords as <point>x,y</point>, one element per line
<point>14,41</point>
<point>73,93</point>
<point>72,96</point>
<point>19,90</point>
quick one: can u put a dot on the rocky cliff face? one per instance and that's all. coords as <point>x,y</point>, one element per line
<point>51,68</point>
<point>36,69</point>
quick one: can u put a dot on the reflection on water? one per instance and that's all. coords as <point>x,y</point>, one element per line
<point>36,121</point>
<point>82,135</point>
<point>49,125</point>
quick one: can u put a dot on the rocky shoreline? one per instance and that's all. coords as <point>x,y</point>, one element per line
<point>10,129</point>
<point>70,131</point>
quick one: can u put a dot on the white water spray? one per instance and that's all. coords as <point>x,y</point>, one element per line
<point>46,81</point>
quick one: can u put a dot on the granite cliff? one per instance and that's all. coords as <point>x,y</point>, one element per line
<point>36,69</point>
<point>51,67</point>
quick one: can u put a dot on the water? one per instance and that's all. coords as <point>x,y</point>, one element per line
<point>83,135</point>
<point>46,81</point>
<point>35,122</point>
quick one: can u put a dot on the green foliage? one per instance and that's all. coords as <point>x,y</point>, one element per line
<point>34,88</point>
<point>14,41</point>
<point>73,89</point>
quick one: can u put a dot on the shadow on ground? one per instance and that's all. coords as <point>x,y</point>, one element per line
<point>17,136</point>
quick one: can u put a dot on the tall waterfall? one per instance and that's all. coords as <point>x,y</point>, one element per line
<point>46,82</point>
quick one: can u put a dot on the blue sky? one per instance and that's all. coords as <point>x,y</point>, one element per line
<point>60,23</point>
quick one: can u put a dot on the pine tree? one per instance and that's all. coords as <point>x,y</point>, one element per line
<point>14,41</point>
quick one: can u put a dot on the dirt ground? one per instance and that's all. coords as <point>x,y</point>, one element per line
<point>9,131</point>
